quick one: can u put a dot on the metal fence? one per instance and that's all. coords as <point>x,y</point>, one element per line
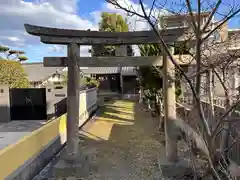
<point>217,101</point>
<point>28,103</point>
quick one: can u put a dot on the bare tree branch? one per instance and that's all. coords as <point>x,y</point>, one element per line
<point>211,15</point>
<point>220,24</point>
<point>191,15</point>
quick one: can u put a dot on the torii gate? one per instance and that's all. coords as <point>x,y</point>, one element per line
<point>74,38</point>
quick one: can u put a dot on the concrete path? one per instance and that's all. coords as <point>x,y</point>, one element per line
<point>13,131</point>
<point>122,143</point>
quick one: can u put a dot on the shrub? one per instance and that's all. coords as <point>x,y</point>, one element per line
<point>12,74</point>
<point>90,82</point>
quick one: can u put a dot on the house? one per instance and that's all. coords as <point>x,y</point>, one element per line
<point>37,74</point>
<point>112,79</point>
<point>221,46</point>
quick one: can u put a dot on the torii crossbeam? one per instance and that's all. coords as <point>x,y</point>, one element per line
<point>74,38</point>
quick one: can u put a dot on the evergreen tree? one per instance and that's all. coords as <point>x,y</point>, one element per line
<point>111,22</point>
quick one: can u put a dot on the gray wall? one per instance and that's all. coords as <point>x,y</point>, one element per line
<point>54,94</point>
<point>4,104</point>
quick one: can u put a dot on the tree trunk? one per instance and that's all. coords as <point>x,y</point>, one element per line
<point>210,86</point>
<point>226,125</point>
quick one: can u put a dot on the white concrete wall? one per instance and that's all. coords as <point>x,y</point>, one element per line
<point>88,100</point>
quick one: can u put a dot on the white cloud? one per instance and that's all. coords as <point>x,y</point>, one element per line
<point>84,51</point>
<point>63,49</point>
<point>56,48</point>
<point>53,13</point>
<point>14,39</point>
<point>68,6</point>
<point>136,23</point>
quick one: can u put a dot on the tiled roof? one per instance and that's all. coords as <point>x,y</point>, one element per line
<point>101,70</point>
<point>37,72</point>
<point>127,71</point>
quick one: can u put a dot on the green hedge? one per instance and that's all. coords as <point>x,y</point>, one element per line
<point>12,74</point>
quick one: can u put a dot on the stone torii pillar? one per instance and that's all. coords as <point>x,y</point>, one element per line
<point>72,102</point>
<point>169,108</point>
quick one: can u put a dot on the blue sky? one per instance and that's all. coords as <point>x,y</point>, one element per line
<point>76,14</point>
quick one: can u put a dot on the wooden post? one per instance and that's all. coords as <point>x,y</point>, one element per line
<point>169,109</point>
<point>72,102</point>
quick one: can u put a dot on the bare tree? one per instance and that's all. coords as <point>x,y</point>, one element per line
<point>207,59</point>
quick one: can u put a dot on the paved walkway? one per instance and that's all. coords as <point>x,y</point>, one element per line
<point>122,143</point>
<point>13,131</point>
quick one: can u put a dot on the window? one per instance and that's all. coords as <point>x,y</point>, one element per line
<point>59,95</point>
<point>58,87</point>
<point>174,23</point>
<point>93,75</point>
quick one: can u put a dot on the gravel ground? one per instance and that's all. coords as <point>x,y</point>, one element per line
<point>122,143</point>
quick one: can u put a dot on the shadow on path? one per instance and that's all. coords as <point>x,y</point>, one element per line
<point>122,143</point>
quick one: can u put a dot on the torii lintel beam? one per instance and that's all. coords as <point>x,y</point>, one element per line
<point>65,36</point>
<point>114,61</point>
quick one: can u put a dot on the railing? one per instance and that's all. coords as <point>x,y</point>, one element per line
<point>219,108</point>
<point>217,101</point>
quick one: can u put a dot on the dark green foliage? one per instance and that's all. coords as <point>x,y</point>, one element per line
<point>150,77</point>
<point>22,58</point>
<point>16,52</point>
<point>150,50</point>
<point>3,48</point>
<point>9,53</point>
<point>91,82</point>
<point>111,22</point>
<point>84,81</point>
<point>12,74</point>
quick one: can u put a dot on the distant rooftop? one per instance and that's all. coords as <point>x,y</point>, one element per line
<point>37,72</point>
